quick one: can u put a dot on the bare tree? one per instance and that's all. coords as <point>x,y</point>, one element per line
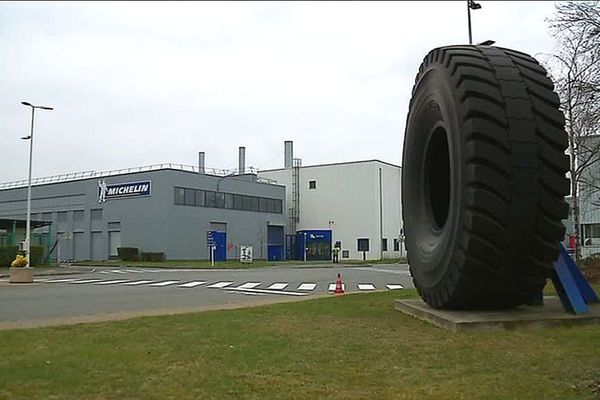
<point>575,68</point>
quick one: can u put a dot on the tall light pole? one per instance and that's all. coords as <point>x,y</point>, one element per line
<point>471,5</point>
<point>30,138</point>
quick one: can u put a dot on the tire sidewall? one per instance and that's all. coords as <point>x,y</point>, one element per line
<point>432,249</point>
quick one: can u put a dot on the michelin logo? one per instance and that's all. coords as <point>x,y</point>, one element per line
<point>123,190</point>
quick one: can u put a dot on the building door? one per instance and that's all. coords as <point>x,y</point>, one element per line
<point>78,246</point>
<point>97,248</point>
<point>220,240</point>
<point>114,241</point>
<point>275,238</point>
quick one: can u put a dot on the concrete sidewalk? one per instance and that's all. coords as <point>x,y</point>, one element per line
<point>43,271</point>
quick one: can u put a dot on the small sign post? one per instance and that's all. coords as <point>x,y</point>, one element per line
<point>210,242</point>
<point>246,254</point>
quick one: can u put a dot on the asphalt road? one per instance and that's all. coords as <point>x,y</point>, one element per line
<point>118,293</point>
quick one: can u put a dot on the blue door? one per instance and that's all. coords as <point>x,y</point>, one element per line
<point>220,239</point>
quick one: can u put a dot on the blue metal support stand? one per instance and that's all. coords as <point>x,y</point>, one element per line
<point>573,289</point>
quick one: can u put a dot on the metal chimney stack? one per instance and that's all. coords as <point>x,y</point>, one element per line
<point>201,162</point>
<point>289,154</point>
<point>242,161</point>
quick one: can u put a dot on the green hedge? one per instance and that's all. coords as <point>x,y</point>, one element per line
<point>152,256</point>
<point>9,253</point>
<point>128,253</point>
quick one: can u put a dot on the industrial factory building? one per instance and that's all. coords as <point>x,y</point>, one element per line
<point>355,204</point>
<point>192,212</point>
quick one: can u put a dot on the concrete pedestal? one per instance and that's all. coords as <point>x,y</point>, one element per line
<point>21,275</point>
<point>548,315</point>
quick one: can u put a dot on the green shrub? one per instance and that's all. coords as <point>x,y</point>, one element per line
<point>37,255</point>
<point>7,255</point>
<point>127,253</point>
<point>152,256</point>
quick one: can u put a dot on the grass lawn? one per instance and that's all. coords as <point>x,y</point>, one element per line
<point>232,263</point>
<point>349,347</point>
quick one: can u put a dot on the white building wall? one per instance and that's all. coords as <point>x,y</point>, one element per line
<point>347,201</point>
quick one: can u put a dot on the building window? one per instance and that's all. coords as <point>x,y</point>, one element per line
<point>362,244</point>
<point>312,184</point>
<point>345,254</point>
<point>591,234</point>
<point>396,245</point>
<point>237,202</point>
<point>200,198</point>
<point>189,197</point>
<point>384,244</point>
<point>96,214</point>
<point>62,216</point>
<point>211,199</point>
<point>179,195</point>
<point>114,226</point>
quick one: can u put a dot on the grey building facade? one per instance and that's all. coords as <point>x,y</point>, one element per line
<point>156,209</point>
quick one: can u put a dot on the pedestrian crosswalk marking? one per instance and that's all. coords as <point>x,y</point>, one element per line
<point>394,286</point>
<point>161,284</point>
<point>267,291</point>
<point>135,283</point>
<point>307,286</point>
<point>248,285</point>
<point>111,282</point>
<point>332,287</point>
<point>192,284</point>
<point>220,285</point>
<point>366,286</point>
<point>81,281</point>
<point>61,280</point>
<point>278,286</point>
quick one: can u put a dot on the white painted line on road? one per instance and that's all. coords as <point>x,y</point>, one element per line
<point>332,287</point>
<point>192,284</point>
<point>267,291</point>
<point>220,285</point>
<point>366,286</point>
<point>104,272</point>
<point>110,282</point>
<point>135,283</point>
<point>135,271</point>
<point>387,271</point>
<point>248,285</point>
<point>394,287</point>
<point>86,281</point>
<point>118,271</point>
<point>61,280</point>
<point>165,283</point>
<point>307,286</point>
<point>278,286</point>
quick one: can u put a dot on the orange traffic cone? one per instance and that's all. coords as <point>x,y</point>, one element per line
<point>339,288</point>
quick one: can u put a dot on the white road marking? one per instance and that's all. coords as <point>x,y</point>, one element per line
<point>220,285</point>
<point>267,291</point>
<point>366,286</point>
<point>86,281</point>
<point>135,271</point>
<point>332,287</point>
<point>61,280</point>
<point>387,271</point>
<point>117,271</point>
<point>394,287</point>
<point>135,283</point>
<point>110,282</point>
<point>307,286</point>
<point>192,284</point>
<point>249,285</point>
<point>165,283</point>
<point>104,272</point>
<point>278,286</point>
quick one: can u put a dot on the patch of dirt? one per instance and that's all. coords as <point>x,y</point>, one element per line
<point>592,274</point>
<point>595,386</point>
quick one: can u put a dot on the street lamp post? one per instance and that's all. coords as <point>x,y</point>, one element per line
<point>471,5</point>
<point>30,138</point>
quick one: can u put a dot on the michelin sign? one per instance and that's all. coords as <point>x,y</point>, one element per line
<point>123,190</point>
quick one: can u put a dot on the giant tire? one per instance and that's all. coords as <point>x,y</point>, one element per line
<point>483,179</point>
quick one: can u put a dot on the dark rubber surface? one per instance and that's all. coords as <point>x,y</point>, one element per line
<point>483,178</point>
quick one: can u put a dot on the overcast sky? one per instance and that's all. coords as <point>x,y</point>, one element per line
<point>144,83</point>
